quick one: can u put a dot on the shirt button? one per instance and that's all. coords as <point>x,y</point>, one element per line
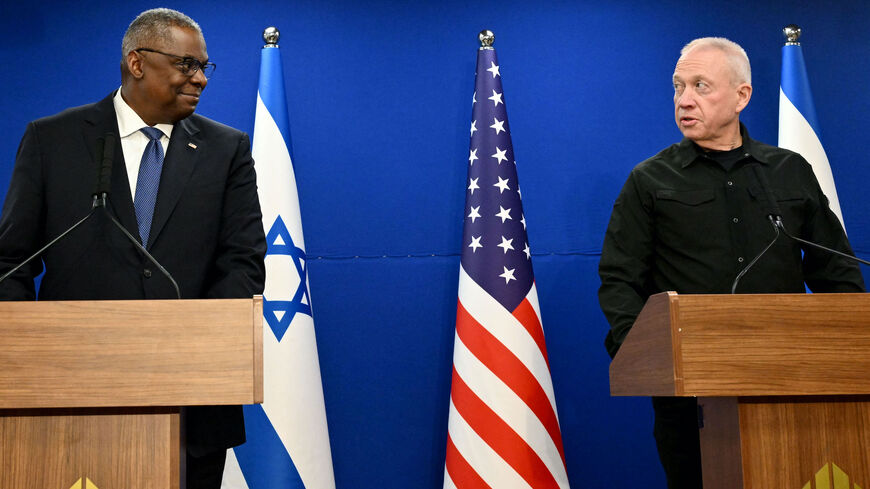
<point>735,220</point>
<point>739,259</point>
<point>147,272</point>
<point>730,183</point>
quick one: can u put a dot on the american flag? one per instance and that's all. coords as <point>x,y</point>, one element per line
<point>503,430</point>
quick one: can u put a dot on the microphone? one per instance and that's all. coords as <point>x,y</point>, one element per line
<point>98,201</point>
<point>100,196</point>
<point>775,217</point>
<point>104,176</point>
<point>141,248</point>
<point>773,211</point>
<point>821,247</point>
<point>101,199</point>
<point>774,214</point>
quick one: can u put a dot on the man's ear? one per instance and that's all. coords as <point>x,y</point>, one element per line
<point>135,64</point>
<point>744,93</point>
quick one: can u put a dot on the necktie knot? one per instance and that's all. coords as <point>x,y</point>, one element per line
<point>153,133</point>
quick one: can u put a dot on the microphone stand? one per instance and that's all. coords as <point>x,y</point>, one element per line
<point>100,201</point>
<point>94,206</point>
<point>740,275</point>
<point>778,223</point>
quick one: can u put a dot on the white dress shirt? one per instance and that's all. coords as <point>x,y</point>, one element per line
<point>134,141</point>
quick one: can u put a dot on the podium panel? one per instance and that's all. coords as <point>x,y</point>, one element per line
<point>783,381</point>
<point>91,392</point>
<point>786,442</point>
<point>111,448</point>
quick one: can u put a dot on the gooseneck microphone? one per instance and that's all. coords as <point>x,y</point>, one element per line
<point>821,247</point>
<point>104,175</point>
<point>774,214</point>
<point>142,249</point>
<point>100,200</point>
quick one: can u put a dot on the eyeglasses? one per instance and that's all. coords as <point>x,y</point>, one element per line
<point>187,65</point>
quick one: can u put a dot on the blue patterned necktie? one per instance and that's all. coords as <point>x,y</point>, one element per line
<point>148,182</point>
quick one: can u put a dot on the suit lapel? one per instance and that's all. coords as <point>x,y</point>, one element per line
<point>101,121</point>
<point>181,158</point>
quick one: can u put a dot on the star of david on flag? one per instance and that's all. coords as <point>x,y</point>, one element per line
<point>280,313</point>
<point>503,429</point>
<point>287,437</point>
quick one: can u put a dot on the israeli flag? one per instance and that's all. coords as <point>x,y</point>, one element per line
<point>288,440</point>
<point>798,124</point>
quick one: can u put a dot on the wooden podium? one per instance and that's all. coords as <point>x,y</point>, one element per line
<point>783,381</point>
<point>91,391</point>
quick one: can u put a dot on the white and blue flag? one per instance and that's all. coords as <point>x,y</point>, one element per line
<point>288,440</point>
<point>798,124</point>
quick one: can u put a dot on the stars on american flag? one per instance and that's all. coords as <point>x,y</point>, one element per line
<point>508,275</point>
<point>502,185</point>
<point>506,244</point>
<point>472,186</point>
<point>500,154</point>
<point>474,214</point>
<point>495,242</point>
<point>475,243</point>
<point>497,125</point>
<point>496,98</point>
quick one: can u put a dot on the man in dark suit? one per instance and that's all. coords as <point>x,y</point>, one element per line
<point>181,183</point>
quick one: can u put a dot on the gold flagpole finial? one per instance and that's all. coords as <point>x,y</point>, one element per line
<point>792,33</point>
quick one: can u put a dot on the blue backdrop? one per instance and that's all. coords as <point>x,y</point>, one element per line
<point>380,103</point>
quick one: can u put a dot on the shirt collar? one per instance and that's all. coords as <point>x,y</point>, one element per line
<point>689,152</point>
<point>129,121</point>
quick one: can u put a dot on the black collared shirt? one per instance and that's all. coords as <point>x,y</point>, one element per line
<point>684,223</point>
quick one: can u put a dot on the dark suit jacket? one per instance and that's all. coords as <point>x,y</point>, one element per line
<point>207,229</point>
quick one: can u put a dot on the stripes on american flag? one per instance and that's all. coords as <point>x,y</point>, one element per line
<point>503,428</point>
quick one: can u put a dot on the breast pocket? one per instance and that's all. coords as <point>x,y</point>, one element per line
<point>686,197</point>
<point>791,203</point>
<point>687,217</point>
